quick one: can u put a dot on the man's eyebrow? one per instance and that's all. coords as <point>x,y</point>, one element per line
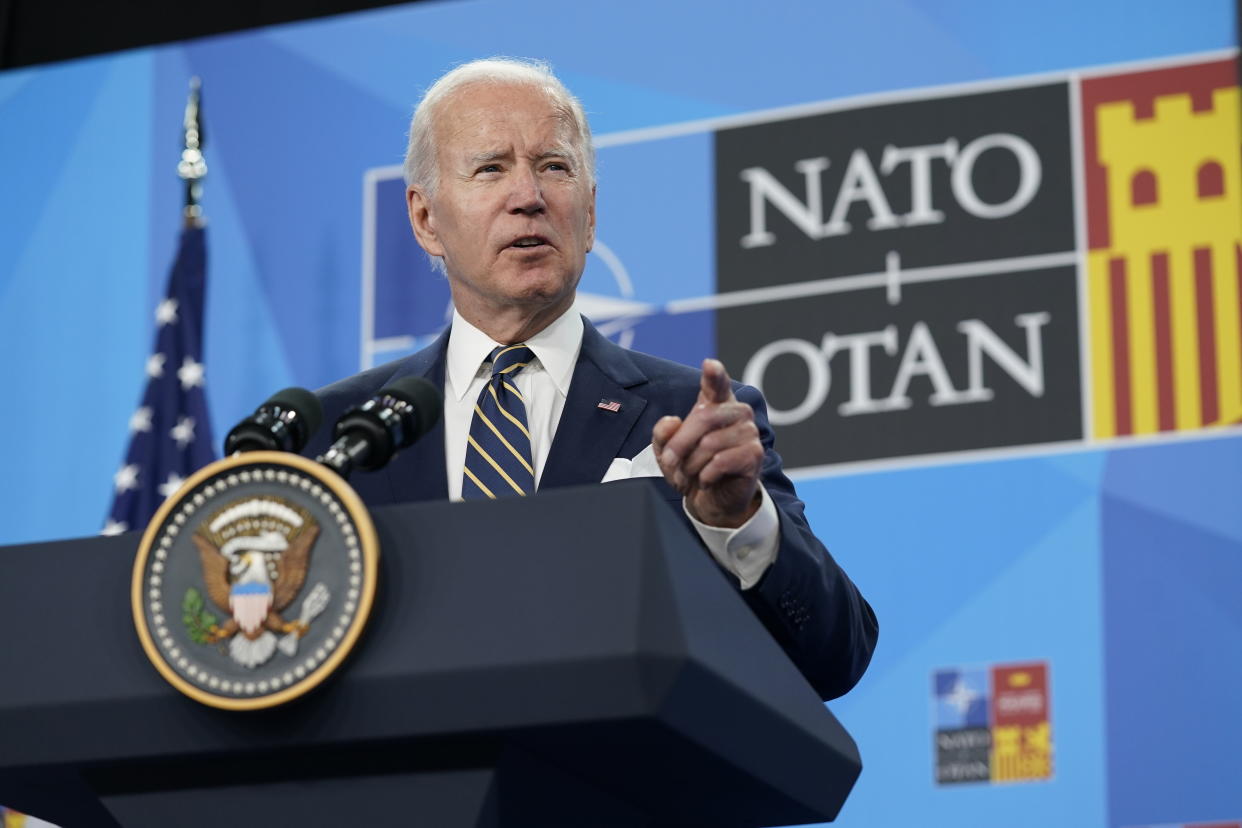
<point>503,155</point>
<point>492,155</point>
<point>555,152</point>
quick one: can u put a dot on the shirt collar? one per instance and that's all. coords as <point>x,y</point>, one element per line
<point>556,347</point>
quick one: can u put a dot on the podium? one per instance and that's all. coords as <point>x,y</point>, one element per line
<point>570,659</point>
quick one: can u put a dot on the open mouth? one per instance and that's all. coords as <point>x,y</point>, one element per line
<point>529,242</point>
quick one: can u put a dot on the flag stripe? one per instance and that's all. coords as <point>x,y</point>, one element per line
<point>1141,335</point>
<point>1121,345</point>
<point>1237,265</point>
<point>1229,330</point>
<point>1185,313</point>
<point>1100,306</point>
<point>1207,336</point>
<point>1164,342</point>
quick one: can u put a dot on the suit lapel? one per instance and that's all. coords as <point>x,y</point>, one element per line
<point>418,472</point>
<point>589,437</point>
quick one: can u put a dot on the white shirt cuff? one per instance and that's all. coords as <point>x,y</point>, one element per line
<point>747,551</point>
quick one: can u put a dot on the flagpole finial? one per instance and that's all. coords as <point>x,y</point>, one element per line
<point>192,168</point>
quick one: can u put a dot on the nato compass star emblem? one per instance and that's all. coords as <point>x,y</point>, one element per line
<point>254,580</point>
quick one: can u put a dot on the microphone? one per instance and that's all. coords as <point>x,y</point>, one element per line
<point>284,423</point>
<point>368,435</point>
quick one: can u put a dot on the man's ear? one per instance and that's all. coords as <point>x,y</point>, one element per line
<point>423,223</point>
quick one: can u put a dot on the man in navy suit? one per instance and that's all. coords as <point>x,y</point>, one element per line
<point>501,193</point>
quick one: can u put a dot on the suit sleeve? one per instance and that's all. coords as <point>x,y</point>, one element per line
<point>805,599</point>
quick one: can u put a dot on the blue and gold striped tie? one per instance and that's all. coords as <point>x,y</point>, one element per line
<point>498,455</point>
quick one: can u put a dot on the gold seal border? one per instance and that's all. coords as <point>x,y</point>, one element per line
<point>368,542</point>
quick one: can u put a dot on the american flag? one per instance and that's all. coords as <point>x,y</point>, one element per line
<point>609,405</point>
<point>170,435</point>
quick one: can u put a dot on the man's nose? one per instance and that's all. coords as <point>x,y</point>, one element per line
<point>526,196</point>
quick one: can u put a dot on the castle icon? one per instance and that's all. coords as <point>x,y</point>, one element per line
<point>1164,213</point>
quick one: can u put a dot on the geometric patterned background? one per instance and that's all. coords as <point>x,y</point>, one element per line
<point>1116,564</point>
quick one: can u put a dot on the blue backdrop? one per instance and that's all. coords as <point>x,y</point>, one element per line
<point>1115,563</point>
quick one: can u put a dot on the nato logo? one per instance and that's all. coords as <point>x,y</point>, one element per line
<point>961,698</point>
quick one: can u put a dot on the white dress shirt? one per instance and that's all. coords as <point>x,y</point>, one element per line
<point>746,552</point>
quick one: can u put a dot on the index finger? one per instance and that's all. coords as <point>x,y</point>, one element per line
<point>714,386</point>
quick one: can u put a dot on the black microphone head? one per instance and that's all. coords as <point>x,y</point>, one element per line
<point>304,404</point>
<point>285,422</point>
<point>424,397</point>
<point>368,435</point>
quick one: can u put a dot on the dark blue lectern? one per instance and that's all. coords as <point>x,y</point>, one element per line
<point>571,659</point>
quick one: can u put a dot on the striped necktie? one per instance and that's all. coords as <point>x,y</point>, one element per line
<point>498,455</point>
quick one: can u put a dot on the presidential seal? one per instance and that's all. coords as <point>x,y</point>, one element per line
<point>254,580</point>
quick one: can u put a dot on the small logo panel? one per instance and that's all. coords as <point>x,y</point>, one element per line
<point>992,724</point>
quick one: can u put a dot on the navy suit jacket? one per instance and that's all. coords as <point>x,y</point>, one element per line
<point>804,599</point>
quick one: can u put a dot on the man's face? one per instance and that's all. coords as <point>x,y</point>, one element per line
<point>514,213</point>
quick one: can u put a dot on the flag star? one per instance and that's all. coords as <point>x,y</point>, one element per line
<point>171,485</point>
<point>113,527</point>
<point>141,420</point>
<point>183,432</point>
<point>126,478</point>
<point>166,313</point>
<point>190,373</point>
<point>155,366</point>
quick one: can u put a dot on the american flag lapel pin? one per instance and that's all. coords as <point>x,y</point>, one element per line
<point>609,405</point>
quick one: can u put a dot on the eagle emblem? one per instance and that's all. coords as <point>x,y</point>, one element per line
<point>254,580</point>
<point>255,554</point>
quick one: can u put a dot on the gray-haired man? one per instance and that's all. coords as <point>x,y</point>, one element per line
<point>501,193</point>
